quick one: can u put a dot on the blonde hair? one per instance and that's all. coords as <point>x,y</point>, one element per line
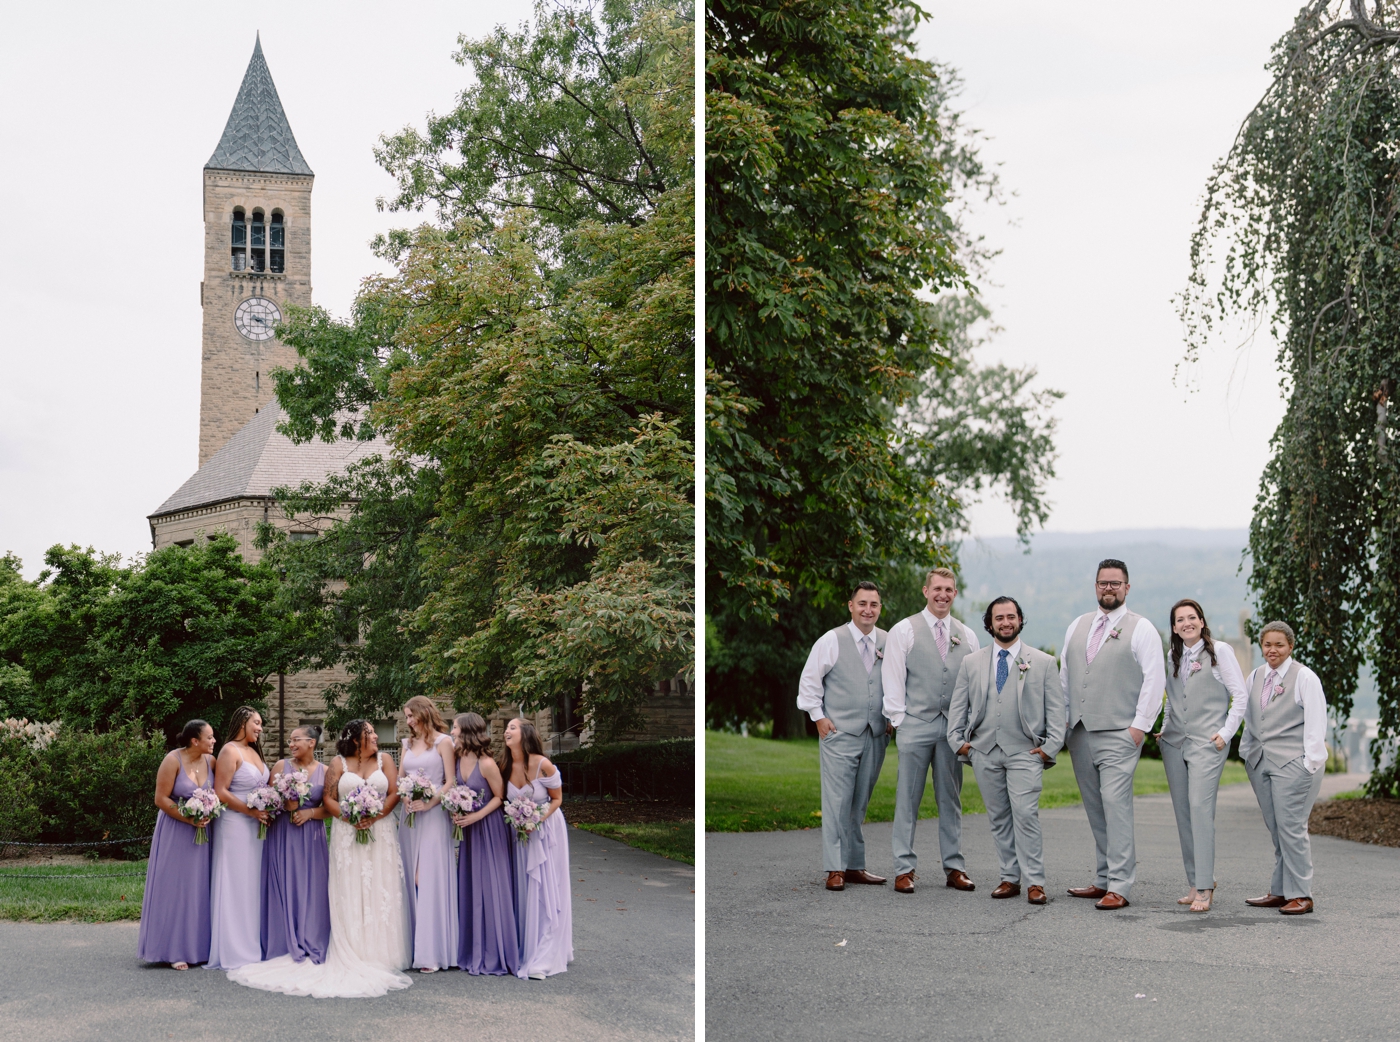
<point>946,573</point>
<point>426,712</point>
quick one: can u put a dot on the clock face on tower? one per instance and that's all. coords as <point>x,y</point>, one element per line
<point>257,318</point>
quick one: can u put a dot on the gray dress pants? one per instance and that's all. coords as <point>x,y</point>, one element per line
<point>1193,777</point>
<point>850,767</point>
<point>1286,796</point>
<point>923,745</point>
<point>1010,784</point>
<point>1104,765</point>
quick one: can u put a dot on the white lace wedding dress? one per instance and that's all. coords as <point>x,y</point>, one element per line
<point>369,916</point>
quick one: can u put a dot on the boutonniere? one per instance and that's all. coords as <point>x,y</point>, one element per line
<point>955,640</point>
<point>879,654</point>
<point>1195,668</point>
<point>1114,633</point>
<point>1278,689</point>
<point>1023,666</point>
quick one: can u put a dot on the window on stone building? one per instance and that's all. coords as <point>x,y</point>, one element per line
<point>276,244</point>
<point>300,537</point>
<point>239,238</point>
<point>257,249</point>
<point>184,542</point>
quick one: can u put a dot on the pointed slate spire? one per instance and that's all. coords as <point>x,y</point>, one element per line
<point>257,135</point>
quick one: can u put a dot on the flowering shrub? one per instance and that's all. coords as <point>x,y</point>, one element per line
<point>38,736</point>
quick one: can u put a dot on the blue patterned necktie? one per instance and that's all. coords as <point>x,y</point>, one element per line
<point>1002,669</point>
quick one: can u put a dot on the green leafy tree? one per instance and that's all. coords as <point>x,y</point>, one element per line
<point>848,424</point>
<point>1298,233</point>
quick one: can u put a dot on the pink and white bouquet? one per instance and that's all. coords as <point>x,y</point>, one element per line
<point>363,803</point>
<point>462,800</point>
<point>415,785</point>
<point>292,788</point>
<point>266,798</point>
<point>201,805</point>
<point>524,815</point>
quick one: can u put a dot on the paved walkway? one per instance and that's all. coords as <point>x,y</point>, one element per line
<point>632,978</point>
<point>940,964</point>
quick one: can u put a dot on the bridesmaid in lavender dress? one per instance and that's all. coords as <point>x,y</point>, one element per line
<point>487,942</point>
<point>175,910</point>
<point>546,908</point>
<point>296,911</point>
<point>236,888</point>
<point>429,870</point>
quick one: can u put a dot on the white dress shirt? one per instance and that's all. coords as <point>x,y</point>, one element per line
<point>820,662</point>
<point>1307,692</point>
<point>1227,671</point>
<point>897,646</point>
<point>1146,646</point>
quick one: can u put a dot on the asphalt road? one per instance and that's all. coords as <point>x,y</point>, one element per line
<point>941,964</point>
<point>632,978</point>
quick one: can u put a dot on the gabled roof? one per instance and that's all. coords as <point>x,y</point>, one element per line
<point>257,135</point>
<point>259,458</point>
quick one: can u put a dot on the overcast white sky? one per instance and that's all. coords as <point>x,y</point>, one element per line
<point>1107,120</point>
<point>108,113</point>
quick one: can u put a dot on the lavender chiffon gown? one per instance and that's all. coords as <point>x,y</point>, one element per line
<point>175,909</point>
<point>429,871</point>
<point>546,902</point>
<point>296,911</point>
<point>235,891</point>
<point>487,941</point>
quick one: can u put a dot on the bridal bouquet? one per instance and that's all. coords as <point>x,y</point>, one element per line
<point>524,815</point>
<point>415,786</point>
<point>265,797</point>
<point>201,805</point>
<point>461,800</point>
<point>292,788</point>
<point>363,803</point>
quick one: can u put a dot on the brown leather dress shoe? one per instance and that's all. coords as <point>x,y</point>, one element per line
<point>1005,889</point>
<point>860,875</point>
<point>958,880</point>
<point>1298,906</point>
<point>835,881</point>
<point>1111,902</point>
<point>1267,901</point>
<point>1036,895</point>
<point>904,883</point>
<point>1094,892</point>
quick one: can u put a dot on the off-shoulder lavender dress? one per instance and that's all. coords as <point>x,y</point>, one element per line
<point>546,909</point>
<point>487,941</point>
<point>296,911</point>
<point>429,869</point>
<point>235,890</point>
<point>175,909</point>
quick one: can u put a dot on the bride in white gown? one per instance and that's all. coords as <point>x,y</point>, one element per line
<point>370,942</point>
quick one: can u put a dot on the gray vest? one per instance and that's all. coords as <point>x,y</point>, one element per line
<point>1199,704</point>
<point>1002,724</point>
<point>1279,728</point>
<point>851,698</point>
<point>1103,695</point>
<point>929,678</point>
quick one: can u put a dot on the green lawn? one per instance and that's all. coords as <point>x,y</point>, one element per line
<point>759,785</point>
<point>101,892</point>
<point>672,839</point>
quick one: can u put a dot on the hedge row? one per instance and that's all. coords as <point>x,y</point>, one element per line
<point>664,770</point>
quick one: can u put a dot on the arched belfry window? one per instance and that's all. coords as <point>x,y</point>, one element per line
<point>257,246</point>
<point>239,238</point>
<point>276,243</point>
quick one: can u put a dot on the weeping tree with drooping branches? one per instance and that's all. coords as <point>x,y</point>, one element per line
<point>1300,234</point>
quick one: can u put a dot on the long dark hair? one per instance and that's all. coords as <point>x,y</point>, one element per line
<point>529,746</point>
<point>240,717</point>
<point>1179,645</point>
<point>348,744</point>
<point>472,735</point>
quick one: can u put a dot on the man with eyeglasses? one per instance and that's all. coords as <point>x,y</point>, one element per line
<point>1113,678</point>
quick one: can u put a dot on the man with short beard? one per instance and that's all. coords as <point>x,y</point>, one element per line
<point>1113,679</point>
<point>1007,715</point>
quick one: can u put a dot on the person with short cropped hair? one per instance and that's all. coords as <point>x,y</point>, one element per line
<point>840,690</point>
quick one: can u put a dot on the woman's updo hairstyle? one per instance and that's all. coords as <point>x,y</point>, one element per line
<point>193,732</point>
<point>312,731</point>
<point>348,744</point>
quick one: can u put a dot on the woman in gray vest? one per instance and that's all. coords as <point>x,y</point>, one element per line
<point>1205,703</point>
<point>1285,750</point>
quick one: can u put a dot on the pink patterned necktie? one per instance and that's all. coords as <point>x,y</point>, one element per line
<point>1268,692</point>
<point>1095,640</point>
<point>942,638</point>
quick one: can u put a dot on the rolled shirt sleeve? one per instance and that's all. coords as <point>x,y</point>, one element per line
<point>1147,651</point>
<point>892,669</point>
<point>819,663</point>
<point>1228,672</point>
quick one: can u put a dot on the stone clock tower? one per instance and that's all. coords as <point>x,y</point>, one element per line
<point>257,256</point>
